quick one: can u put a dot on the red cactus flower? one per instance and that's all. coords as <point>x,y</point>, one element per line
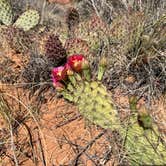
<point>76,62</point>
<point>58,74</point>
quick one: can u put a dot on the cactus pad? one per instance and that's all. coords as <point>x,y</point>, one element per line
<point>143,143</point>
<point>29,19</point>
<point>144,146</point>
<point>94,103</point>
<point>5,12</point>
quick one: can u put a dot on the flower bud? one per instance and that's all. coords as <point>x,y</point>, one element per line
<point>76,62</point>
<point>103,62</point>
<point>68,69</point>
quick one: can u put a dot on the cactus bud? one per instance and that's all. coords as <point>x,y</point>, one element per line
<point>86,70</point>
<point>76,62</point>
<point>68,69</point>
<point>133,103</point>
<point>102,68</point>
<point>144,118</point>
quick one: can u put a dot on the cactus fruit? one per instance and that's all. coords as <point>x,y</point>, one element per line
<point>141,143</point>
<point>29,19</point>
<point>5,12</point>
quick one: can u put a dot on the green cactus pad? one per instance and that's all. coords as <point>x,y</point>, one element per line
<point>5,12</point>
<point>94,103</point>
<point>28,20</point>
<point>142,141</point>
<point>144,146</point>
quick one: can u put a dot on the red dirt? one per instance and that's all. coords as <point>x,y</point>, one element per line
<point>56,141</point>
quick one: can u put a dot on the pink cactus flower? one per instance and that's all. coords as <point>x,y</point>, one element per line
<point>76,62</point>
<point>58,74</point>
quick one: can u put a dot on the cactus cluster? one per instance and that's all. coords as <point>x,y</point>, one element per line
<point>26,20</point>
<point>142,142</point>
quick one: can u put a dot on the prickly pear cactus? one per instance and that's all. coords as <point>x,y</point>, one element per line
<point>142,141</point>
<point>5,12</point>
<point>140,135</point>
<point>29,19</point>
<point>144,147</point>
<point>91,96</point>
